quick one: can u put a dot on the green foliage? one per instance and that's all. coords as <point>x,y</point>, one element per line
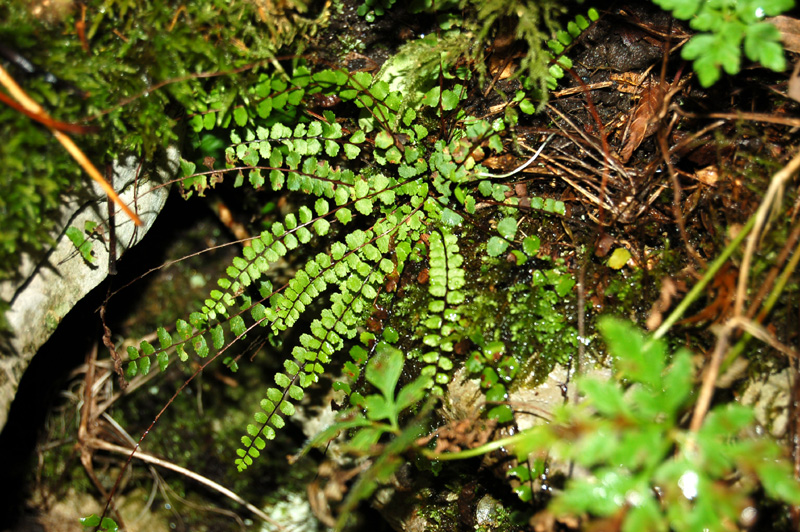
<point>132,47</point>
<point>93,521</point>
<point>380,194</point>
<point>36,171</point>
<point>446,279</point>
<point>374,411</point>
<point>496,369</point>
<point>519,333</point>
<point>390,183</point>
<point>726,26</point>
<point>378,416</point>
<point>82,241</point>
<point>558,46</point>
<point>372,8</point>
<point>641,465</point>
<point>480,20</point>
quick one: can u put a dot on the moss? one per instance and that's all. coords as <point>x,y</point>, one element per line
<point>129,49</point>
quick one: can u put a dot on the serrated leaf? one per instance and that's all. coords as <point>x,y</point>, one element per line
<point>779,482</point>
<point>605,396</point>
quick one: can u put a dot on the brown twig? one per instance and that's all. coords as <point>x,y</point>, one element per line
<point>86,426</point>
<point>150,459</point>
<point>753,117</point>
<point>46,120</point>
<point>676,198</point>
<point>23,99</point>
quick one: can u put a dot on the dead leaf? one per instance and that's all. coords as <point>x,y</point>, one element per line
<point>708,175</point>
<point>645,118</point>
<point>790,31</point>
<point>603,245</point>
<point>794,83</point>
<point>721,294</point>
<point>629,82</point>
<point>461,434</point>
<point>668,291</point>
<point>504,51</point>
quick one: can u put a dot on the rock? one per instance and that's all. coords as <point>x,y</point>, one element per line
<point>770,397</point>
<point>45,291</point>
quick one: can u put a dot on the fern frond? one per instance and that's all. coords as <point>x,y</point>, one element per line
<point>348,308</point>
<point>395,190</point>
<point>446,278</point>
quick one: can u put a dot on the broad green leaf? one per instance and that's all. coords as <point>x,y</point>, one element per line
<point>383,370</point>
<point>240,116</point>
<point>449,100</point>
<point>451,218</point>
<point>530,245</point>
<point>378,407</point>
<point>82,244</point>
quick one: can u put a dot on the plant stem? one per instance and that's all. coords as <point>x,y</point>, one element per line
<point>695,292</point>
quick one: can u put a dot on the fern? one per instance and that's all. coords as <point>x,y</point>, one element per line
<point>729,25</point>
<point>446,278</point>
<point>396,189</point>
<point>564,38</point>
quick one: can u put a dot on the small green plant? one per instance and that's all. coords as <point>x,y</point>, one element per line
<point>83,240</point>
<point>473,23</point>
<point>638,463</point>
<point>377,416</point>
<point>374,8</point>
<point>726,26</point>
<point>496,370</point>
<point>100,76</point>
<point>93,521</point>
<point>559,45</point>
<point>390,181</point>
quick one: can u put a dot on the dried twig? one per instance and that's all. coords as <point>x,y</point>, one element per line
<point>96,443</point>
<point>24,100</point>
<point>676,200</point>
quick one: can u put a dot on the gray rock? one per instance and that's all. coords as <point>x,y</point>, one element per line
<point>770,396</point>
<point>45,291</point>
